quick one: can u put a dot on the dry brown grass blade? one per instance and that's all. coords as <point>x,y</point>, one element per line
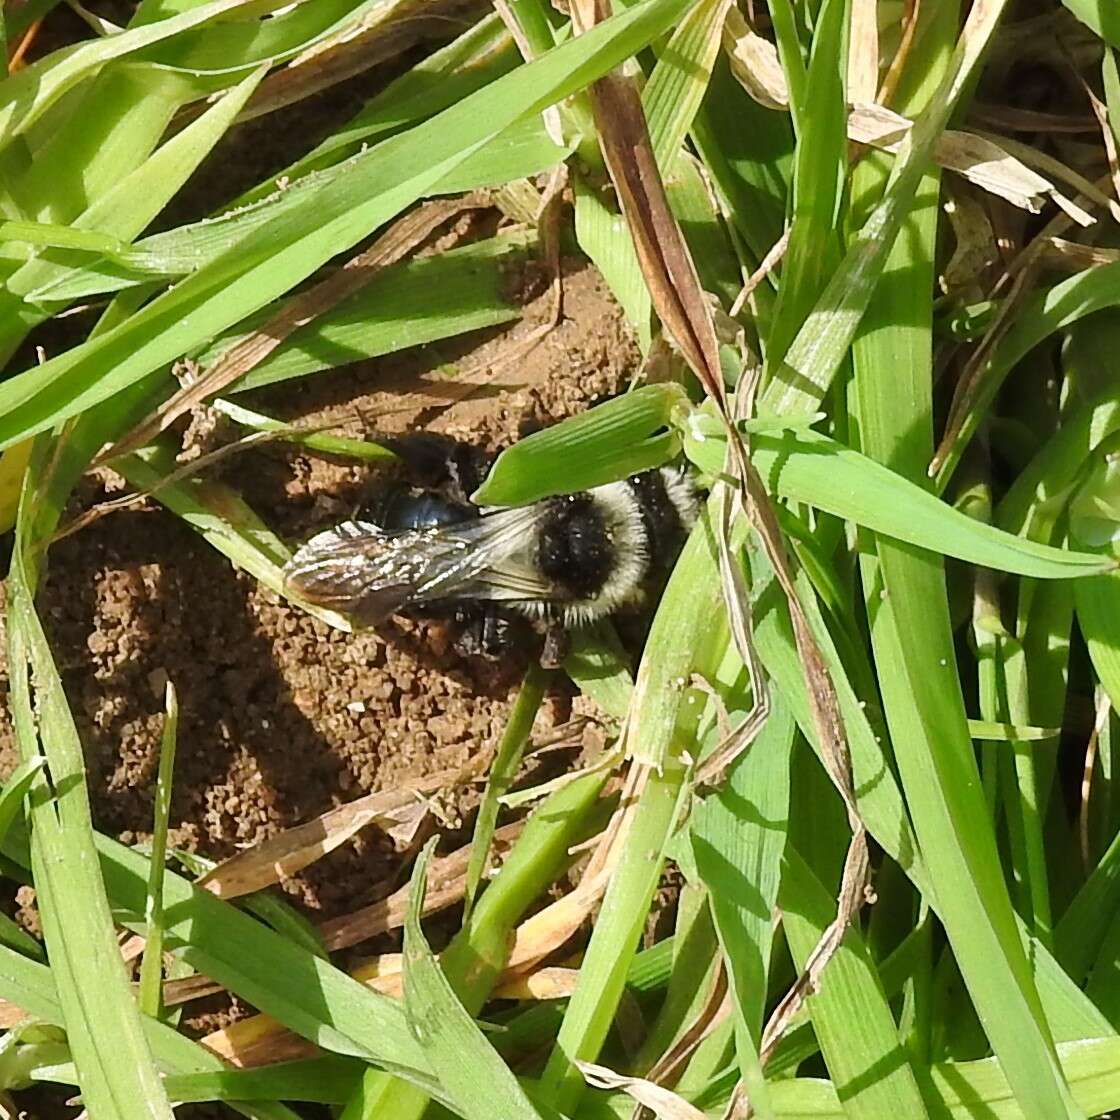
<point>664,258</point>
<point>898,63</point>
<point>396,243</point>
<point>1108,137</point>
<point>1073,256</point>
<point>546,931</point>
<point>980,159</point>
<point>1019,274</point>
<point>282,856</point>
<point>385,32</point>
<point>769,262</point>
<point>135,498</point>
<point>983,160</point>
<point>754,62</point>
<point>446,879</point>
<point>662,1102</point>
<point>1104,710</point>
<point>718,1005</point>
<point>863,51</point>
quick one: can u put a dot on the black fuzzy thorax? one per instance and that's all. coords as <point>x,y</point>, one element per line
<point>574,547</point>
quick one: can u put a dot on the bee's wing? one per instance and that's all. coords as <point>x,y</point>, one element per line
<point>368,573</point>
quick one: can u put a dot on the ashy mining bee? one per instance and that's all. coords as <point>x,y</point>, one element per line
<point>555,565</point>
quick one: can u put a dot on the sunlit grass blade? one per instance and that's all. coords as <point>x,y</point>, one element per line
<point>394,312</point>
<point>738,852</point>
<point>851,1017</point>
<point>29,985</point>
<point>118,1077</point>
<point>26,95</point>
<point>472,962</point>
<point>134,199</point>
<point>814,469</point>
<point>481,54</point>
<point>601,234</point>
<point>503,769</point>
<point>150,994</point>
<point>663,717</point>
<point>824,337</point>
<point>678,82</point>
<point>620,437</point>
<point>522,149</point>
<point>913,645</point>
<point>821,166</point>
<point>271,260</point>
<point>481,1083</point>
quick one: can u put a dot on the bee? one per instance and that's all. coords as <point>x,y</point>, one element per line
<point>557,565</point>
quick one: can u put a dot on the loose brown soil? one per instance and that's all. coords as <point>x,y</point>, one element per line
<point>281,716</point>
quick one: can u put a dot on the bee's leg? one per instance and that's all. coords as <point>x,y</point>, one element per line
<point>468,641</point>
<point>487,631</point>
<point>502,633</point>
<point>557,645</point>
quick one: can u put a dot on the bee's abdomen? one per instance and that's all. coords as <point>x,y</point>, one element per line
<point>403,509</point>
<point>667,505</point>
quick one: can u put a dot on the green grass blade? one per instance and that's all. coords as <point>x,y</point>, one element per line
<point>851,1017</point>
<point>678,82</point>
<point>318,441</point>
<point>917,668</point>
<point>738,836</point>
<point>479,951</point>
<point>1042,315</point>
<point>271,260</point>
<point>747,150</point>
<point>30,986</point>
<point>1098,601</point>
<point>601,233</point>
<point>810,468</point>
<point>136,198</point>
<point>617,438</point>
<point>26,95</point>
<point>877,795</point>
<point>478,56</point>
<point>523,149</point>
<point>503,770</point>
<point>15,789</point>
<point>118,1077</point>
<point>827,332</point>
<point>688,636</point>
<point>1098,16</point>
<point>821,167</point>
<point>150,995</point>
<point>394,311</point>
<point>479,1081</point>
